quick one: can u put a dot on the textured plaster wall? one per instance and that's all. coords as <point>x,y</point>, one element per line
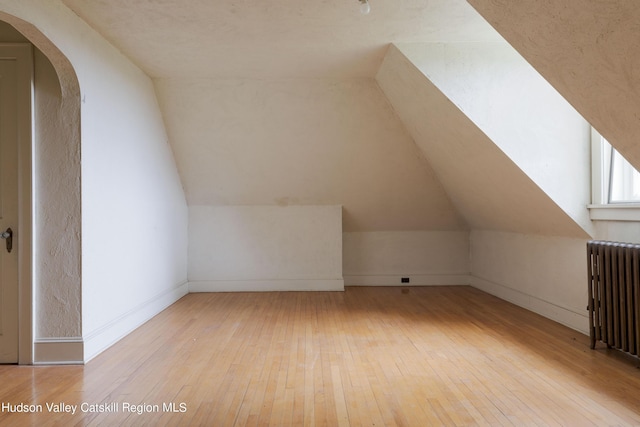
<point>134,211</point>
<point>303,142</point>
<point>520,112</point>
<point>58,247</point>
<point>588,50</point>
<point>265,243</point>
<point>306,143</point>
<point>134,216</point>
<point>620,231</point>
<point>545,274</point>
<point>57,276</point>
<point>485,185</point>
<point>413,253</point>
<point>523,246</point>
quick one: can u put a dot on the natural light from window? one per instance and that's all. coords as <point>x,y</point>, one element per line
<point>624,179</point>
<point>615,184</point>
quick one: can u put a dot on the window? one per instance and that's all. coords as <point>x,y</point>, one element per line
<point>624,179</point>
<point>614,179</point>
<point>615,183</point>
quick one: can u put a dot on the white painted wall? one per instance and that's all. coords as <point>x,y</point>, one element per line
<point>484,184</point>
<point>303,142</point>
<point>263,248</point>
<point>134,211</point>
<point>545,274</point>
<point>524,247</point>
<point>519,111</point>
<point>619,231</point>
<point>426,257</point>
<point>134,216</point>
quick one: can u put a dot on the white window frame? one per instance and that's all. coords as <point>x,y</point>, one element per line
<point>600,209</point>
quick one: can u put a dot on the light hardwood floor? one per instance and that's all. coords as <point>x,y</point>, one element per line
<point>366,356</point>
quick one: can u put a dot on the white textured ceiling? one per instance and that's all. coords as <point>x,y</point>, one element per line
<point>275,102</point>
<point>273,38</point>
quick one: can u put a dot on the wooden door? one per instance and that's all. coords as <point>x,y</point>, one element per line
<point>8,208</point>
<point>15,131</point>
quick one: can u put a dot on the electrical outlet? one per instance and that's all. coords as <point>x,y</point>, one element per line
<point>405,280</point>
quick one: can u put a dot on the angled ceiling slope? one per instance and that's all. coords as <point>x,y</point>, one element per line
<point>486,186</point>
<point>519,111</point>
<point>302,142</point>
<point>275,38</point>
<point>588,50</point>
<point>274,102</point>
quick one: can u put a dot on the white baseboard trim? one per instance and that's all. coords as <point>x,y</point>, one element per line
<point>266,285</point>
<point>415,280</point>
<point>58,351</point>
<point>563,315</point>
<point>99,340</point>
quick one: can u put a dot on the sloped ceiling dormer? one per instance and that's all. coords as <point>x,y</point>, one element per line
<point>520,112</point>
<point>278,39</point>
<point>274,103</point>
<point>588,50</point>
<point>487,187</point>
<point>277,103</point>
<point>302,142</point>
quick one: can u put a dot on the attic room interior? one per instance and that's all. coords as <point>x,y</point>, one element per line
<point>295,213</point>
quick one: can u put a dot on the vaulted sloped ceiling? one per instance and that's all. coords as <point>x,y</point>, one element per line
<point>519,112</point>
<point>248,142</point>
<point>239,39</point>
<point>275,103</point>
<point>484,184</point>
<point>588,50</point>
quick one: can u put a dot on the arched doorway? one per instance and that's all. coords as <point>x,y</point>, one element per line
<point>49,203</point>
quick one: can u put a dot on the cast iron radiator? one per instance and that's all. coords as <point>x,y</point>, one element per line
<point>614,290</point>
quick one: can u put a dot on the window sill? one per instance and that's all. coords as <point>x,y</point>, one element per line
<point>615,212</point>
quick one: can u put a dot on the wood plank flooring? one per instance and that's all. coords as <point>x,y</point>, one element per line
<point>363,357</point>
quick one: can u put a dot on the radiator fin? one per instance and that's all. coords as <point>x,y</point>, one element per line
<point>614,294</point>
